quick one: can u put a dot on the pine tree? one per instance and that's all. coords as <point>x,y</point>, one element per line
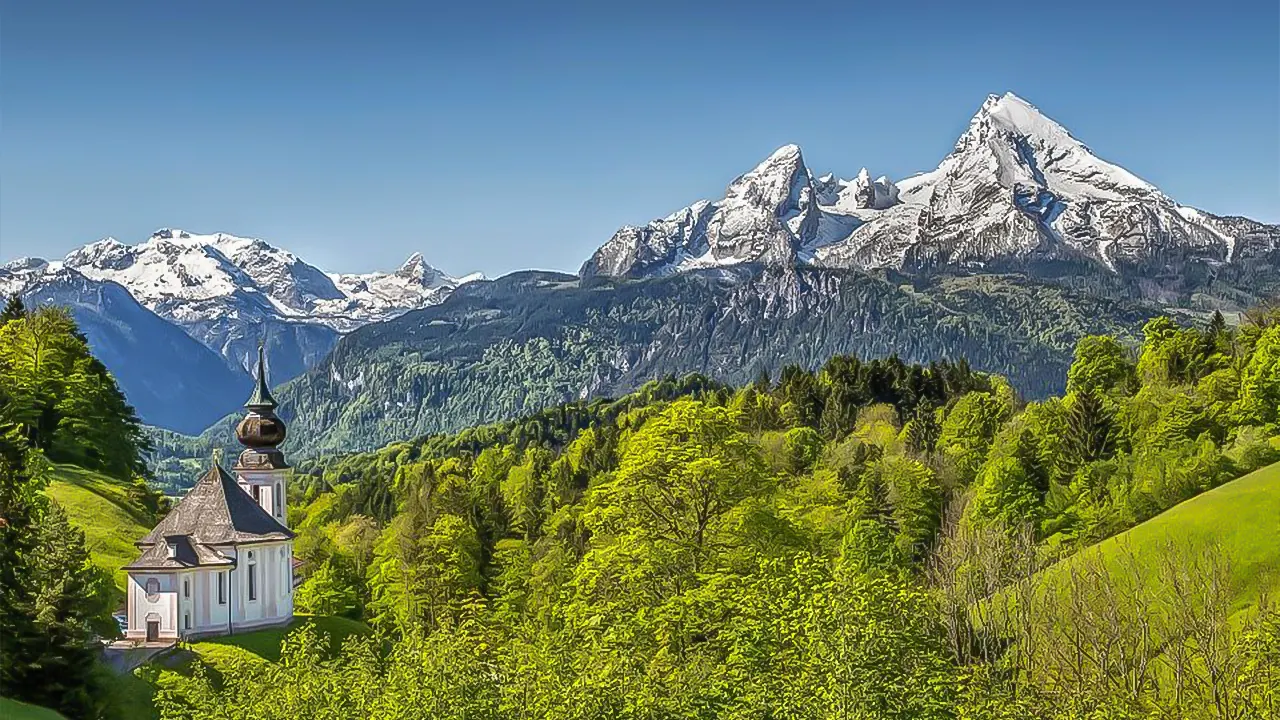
<point>52,600</point>
<point>14,309</point>
<point>1089,435</point>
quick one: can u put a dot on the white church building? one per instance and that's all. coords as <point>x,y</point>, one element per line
<point>222,559</point>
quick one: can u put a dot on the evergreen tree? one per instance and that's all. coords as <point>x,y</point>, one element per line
<point>14,309</point>
<point>52,600</point>
<point>1090,432</point>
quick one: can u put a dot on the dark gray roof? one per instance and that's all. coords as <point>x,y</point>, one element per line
<point>217,511</point>
<point>188,555</point>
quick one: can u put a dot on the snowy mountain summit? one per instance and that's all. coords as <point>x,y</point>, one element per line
<point>1017,190</point>
<point>188,277</point>
<point>230,292</point>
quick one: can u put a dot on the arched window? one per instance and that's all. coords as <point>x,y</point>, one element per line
<point>278,500</point>
<point>153,589</point>
<point>253,577</point>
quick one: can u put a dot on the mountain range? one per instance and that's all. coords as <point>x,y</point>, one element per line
<point>1017,191</point>
<point>225,293</point>
<point>1020,241</point>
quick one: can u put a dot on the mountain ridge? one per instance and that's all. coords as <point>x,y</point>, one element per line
<point>1016,187</point>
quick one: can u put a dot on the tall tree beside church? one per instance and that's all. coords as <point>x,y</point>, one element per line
<point>52,600</point>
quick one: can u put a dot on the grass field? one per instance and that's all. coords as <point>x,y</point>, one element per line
<point>265,644</point>
<point>1241,518</point>
<point>103,509</point>
<point>14,710</point>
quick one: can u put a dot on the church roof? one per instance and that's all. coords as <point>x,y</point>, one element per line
<point>187,554</point>
<point>217,511</point>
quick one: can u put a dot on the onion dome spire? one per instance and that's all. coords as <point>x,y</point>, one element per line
<point>261,431</point>
<point>261,397</point>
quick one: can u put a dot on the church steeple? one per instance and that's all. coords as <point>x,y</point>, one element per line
<point>261,397</point>
<point>261,431</point>
<point>261,468</point>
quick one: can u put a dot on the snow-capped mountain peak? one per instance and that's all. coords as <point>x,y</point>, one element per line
<point>1030,148</point>
<point>228,291</point>
<point>1016,188</point>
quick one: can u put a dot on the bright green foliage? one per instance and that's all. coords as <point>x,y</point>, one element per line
<point>1101,366</point>
<point>62,398</point>
<point>1005,494</point>
<point>1259,402</point>
<point>333,589</point>
<point>968,430</point>
<point>52,599</point>
<point>915,499</point>
<point>776,551</point>
<point>803,447</point>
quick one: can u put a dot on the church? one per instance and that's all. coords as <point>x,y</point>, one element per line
<point>222,559</point>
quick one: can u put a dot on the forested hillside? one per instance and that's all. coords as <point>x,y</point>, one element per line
<point>58,403</point>
<point>864,540</point>
<point>513,346</point>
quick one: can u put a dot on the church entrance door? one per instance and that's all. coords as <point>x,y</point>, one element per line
<point>153,631</point>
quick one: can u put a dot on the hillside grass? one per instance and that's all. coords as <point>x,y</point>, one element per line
<point>265,644</point>
<point>1241,519</point>
<point>103,508</point>
<point>14,710</point>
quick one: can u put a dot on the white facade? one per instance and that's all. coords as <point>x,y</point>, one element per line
<point>267,489</point>
<point>253,588</point>
<point>202,602</point>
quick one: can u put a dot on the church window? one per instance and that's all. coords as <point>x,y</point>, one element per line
<point>186,621</point>
<point>222,587</point>
<point>153,589</point>
<point>257,494</point>
<point>186,588</point>
<point>278,500</point>
<point>253,578</point>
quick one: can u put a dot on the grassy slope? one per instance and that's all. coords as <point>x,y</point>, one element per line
<point>102,508</point>
<point>1242,517</point>
<point>14,710</point>
<point>265,644</point>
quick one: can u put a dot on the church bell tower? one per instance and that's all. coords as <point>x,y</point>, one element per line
<point>261,469</point>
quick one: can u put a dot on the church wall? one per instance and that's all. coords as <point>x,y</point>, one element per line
<point>164,606</point>
<point>271,492</point>
<point>274,600</point>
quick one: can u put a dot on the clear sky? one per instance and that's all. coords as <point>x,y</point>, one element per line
<point>501,135</point>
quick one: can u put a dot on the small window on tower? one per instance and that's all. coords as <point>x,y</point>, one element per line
<point>222,588</point>
<point>278,500</point>
<point>186,588</point>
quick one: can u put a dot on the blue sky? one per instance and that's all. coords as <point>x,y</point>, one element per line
<point>504,135</point>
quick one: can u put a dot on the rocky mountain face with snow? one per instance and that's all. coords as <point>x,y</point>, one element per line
<point>228,293</point>
<point>1018,192</point>
<point>1019,242</point>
